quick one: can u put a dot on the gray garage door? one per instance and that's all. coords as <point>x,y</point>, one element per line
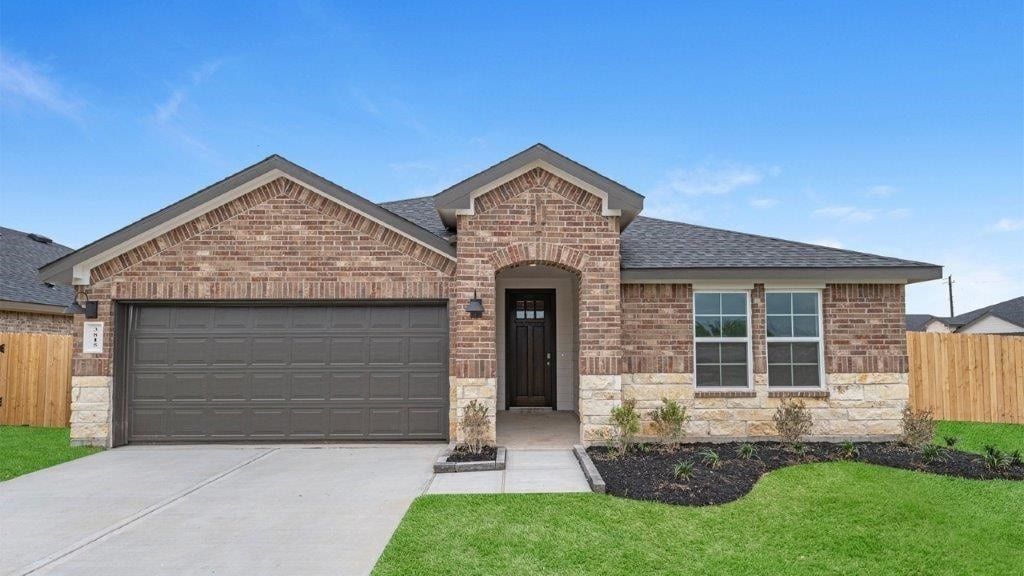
<point>300,373</point>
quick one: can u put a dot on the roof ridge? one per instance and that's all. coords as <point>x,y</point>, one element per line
<point>795,242</point>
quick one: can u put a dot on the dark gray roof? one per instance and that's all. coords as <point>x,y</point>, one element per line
<point>918,322</point>
<point>652,246</point>
<point>20,258</point>
<point>61,269</point>
<point>1011,310</point>
<point>620,197</point>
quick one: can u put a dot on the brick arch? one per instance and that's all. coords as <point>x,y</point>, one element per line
<point>556,255</point>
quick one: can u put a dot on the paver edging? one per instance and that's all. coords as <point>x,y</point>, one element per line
<point>442,465</point>
<point>589,470</point>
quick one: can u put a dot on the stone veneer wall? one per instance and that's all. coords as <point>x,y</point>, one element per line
<point>540,218</point>
<point>865,360</point>
<point>281,241</point>
<point>31,322</point>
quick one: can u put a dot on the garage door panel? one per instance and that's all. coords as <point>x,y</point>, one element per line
<point>222,373</point>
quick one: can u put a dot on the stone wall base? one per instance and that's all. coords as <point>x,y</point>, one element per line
<point>91,411</point>
<point>598,394</point>
<point>464,390</point>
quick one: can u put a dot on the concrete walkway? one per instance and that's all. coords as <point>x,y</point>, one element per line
<point>525,471</point>
<point>212,510</point>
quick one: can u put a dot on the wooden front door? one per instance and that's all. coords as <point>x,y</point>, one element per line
<point>530,348</point>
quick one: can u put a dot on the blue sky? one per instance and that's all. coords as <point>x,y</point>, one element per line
<point>895,128</point>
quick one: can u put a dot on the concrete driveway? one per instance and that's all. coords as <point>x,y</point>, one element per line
<point>212,510</point>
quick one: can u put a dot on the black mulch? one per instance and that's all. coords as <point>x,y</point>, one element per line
<point>647,471</point>
<point>462,454</point>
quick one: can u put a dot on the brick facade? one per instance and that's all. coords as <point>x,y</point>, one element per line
<point>36,323</point>
<point>282,241</point>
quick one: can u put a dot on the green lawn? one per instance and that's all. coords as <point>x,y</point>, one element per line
<point>973,436</point>
<point>24,449</point>
<point>835,518</point>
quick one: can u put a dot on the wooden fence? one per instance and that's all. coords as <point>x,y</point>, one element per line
<point>35,379</point>
<point>976,377</point>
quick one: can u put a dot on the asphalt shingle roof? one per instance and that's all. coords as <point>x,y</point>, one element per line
<point>20,259</point>
<point>655,243</point>
<point>917,322</point>
<point>1011,310</point>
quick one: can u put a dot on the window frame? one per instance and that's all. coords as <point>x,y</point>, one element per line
<point>819,340</point>
<point>748,339</point>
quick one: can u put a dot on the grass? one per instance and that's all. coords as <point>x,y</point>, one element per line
<point>835,518</point>
<point>24,449</point>
<point>973,436</point>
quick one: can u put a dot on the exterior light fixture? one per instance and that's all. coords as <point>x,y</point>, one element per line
<point>475,307</point>
<point>82,305</point>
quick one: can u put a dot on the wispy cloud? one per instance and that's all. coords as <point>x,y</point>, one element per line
<point>24,82</point>
<point>857,214</point>
<point>715,179</point>
<point>1009,225</point>
<point>167,114</point>
<point>881,191</point>
<point>388,109</point>
<point>764,203</point>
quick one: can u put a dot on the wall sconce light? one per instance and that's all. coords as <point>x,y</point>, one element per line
<point>82,305</point>
<point>475,307</point>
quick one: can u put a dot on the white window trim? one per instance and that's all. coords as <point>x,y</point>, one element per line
<point>819,339</point>
<point>723,339</point>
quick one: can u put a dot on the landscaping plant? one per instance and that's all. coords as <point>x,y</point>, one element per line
<point>747,450</point>
<point>1016,459</point>
<point>475,426</point>
<point>711,458</point>
<point>792,421</point>
<point>625,424</point>
<point>669,421</point>
<point>848,450</point>
<point>683,469</point>
<point>950,441</point>
<point>996,459</point>
<point>931,452</point>
<point>918,427</point>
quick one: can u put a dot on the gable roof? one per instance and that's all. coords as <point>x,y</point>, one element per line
<point>1011,310</point>
<point>918,322</point>
<point>20,257</point>
<point>73,267</point>
<point>617,200</point>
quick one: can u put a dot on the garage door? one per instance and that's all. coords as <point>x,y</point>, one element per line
<point>286,373</point>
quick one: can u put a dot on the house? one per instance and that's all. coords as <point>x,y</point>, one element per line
<point>28,304</point>
<point>1003,318</point>
<point>277,305</point>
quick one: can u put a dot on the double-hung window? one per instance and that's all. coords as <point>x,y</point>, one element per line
<point>722,339</point>
<point>794,339</point>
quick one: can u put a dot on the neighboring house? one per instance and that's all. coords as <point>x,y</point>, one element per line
<point>276,305</point>
<point>27,304</point>
<point>1002,318</point>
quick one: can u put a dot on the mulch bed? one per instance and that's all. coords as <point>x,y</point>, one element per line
<point>462,454</point>
<point>646,472</point>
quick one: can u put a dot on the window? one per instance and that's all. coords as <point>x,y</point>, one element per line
<point>722,339</point>
<point>529,309</point>
<point>794,339</point>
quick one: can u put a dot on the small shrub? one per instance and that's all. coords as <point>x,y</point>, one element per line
<point>932,452</point>
<point>669,421</point>
<point>475,426</point>
<point>711,458</point>
<point>792,421</point>
<point>625,424</point>
<point>1016,459</point>
<point>799,447</point>
<point>996,459</point>
<point>848,450</point>
<point>747,450</point>
<point>950,441</point>
<point>683,469</point>
<point>918,428</point>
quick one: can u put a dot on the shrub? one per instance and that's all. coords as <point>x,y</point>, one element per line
<point>932,452</point>
<point>747,450</point>
<point>918,428</point>
<point>848,450</point>
<point>625,424</point>
<point>711,458</point>
<point>1016,459</point>
<point>792,421</point>
<point>683,469</point>
<point>996,459</point>
<point>669,420</point>
<point>475,426</point>
<point>950,441</point>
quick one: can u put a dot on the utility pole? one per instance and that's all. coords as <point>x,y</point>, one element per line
<point>950,282</point>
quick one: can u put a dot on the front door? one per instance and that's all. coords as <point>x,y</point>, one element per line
<point>530,348</point>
